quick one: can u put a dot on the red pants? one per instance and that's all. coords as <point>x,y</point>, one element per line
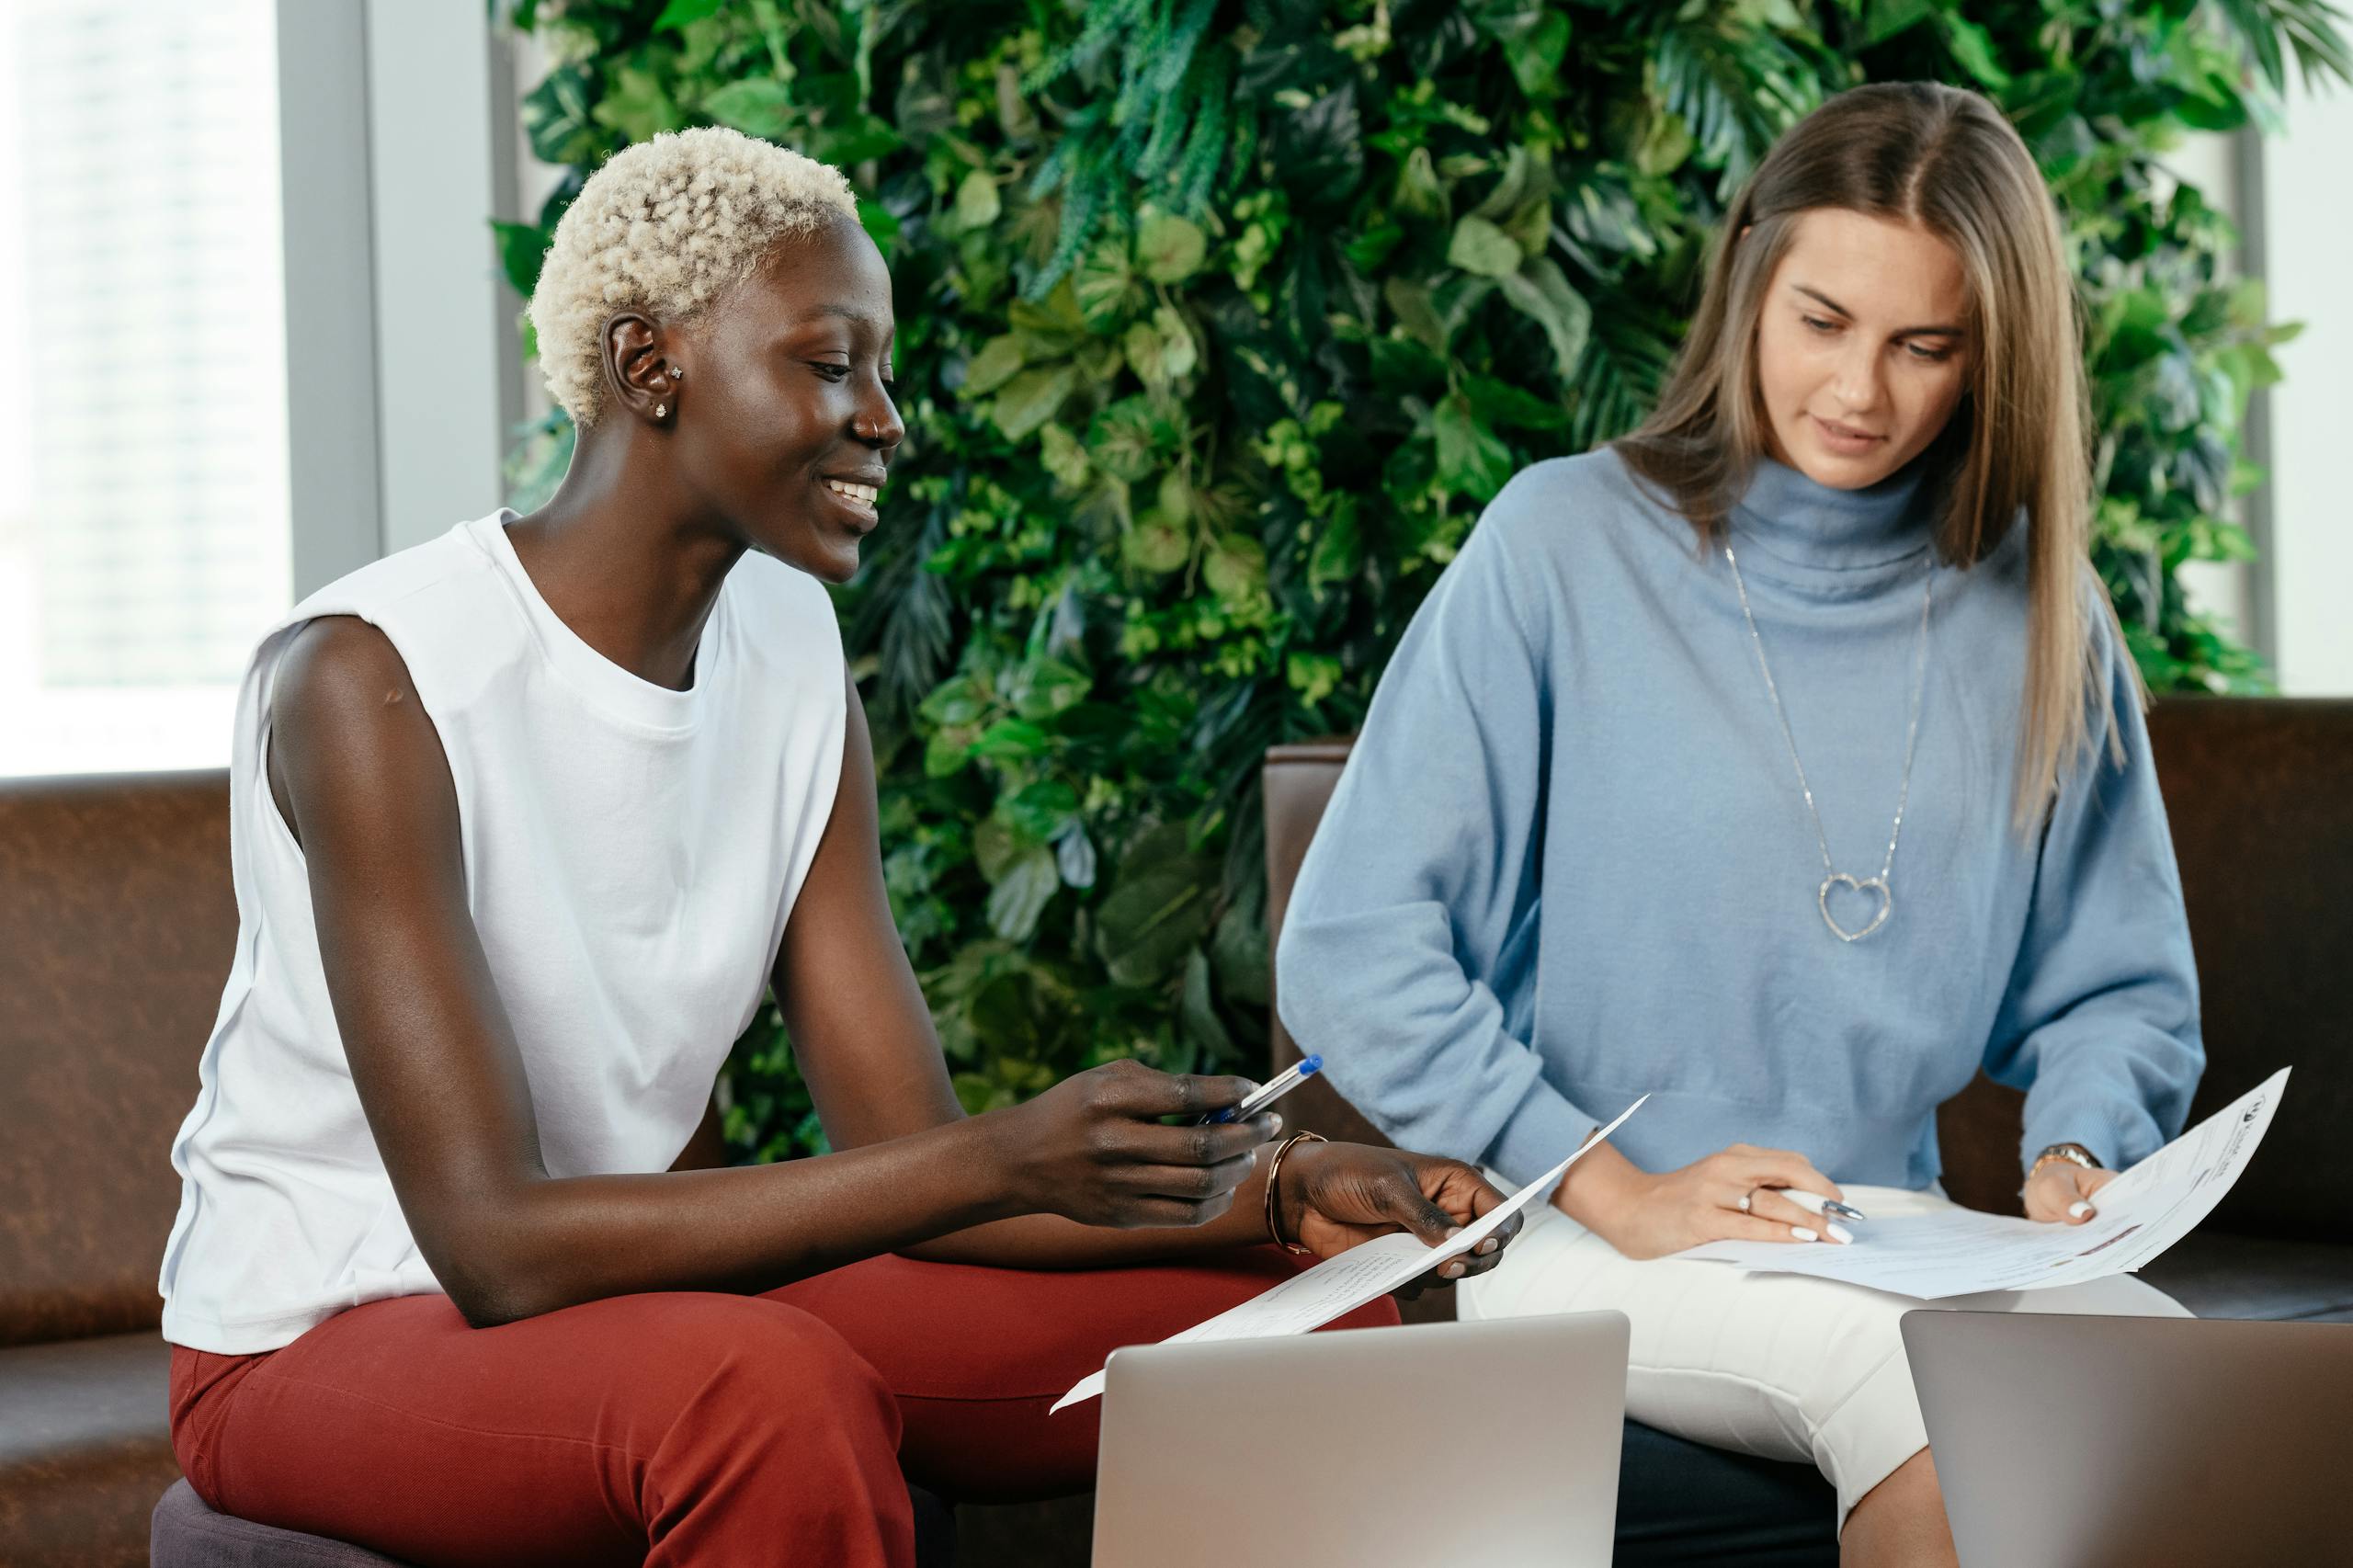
<point>682,1427</point>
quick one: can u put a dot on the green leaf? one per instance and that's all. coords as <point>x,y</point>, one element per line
<point>678,13</point>
<point>637,105</point>
<point>1537,59</point>
<point>1480,246</point>
<point>1471,459</point>
<point>1170,247</point>
<point>1030,399</point>
<point>522,248</point>
<point>1368,250</point>
<point>1179,355</point>
<point>1044,811</point>
<point>1018,901</point>
<point>1339,550</point>
<point>1075,858</point>
<point>854,140</point>
<point>945,752</point>
<point>998,362</point>
<point>1542,291</point>
<point>1665,144</point>
<point>1973,46</point>
<point>1498,403</point>
<point>977,202</point>
<point>1063,455</point>
<point>1144,927</point>
<point>958,701</point>
<point>1237,568</point>
<point>1313,676</point>
<point>1048,685</point>
<point>756,106</point>
<point>1884,19</point>
<point>1155,544</point>
<point>1010,740</point>
<point>1198,1012</point>
<point>1129,439</point>
<point>995,847</point>
<point>555,115</point>
<point>1416,313</point>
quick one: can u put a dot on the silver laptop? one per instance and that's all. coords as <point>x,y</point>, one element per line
<point>2084,1441</point>
<point>1492,1444</point>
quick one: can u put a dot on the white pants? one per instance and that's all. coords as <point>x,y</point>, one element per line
<point>1779,1365</point>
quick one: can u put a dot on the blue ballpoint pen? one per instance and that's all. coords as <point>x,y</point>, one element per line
<point>1268,1092</point>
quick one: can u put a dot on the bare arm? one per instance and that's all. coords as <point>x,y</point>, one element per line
<point>864,1039</point>
<point>358,770</point>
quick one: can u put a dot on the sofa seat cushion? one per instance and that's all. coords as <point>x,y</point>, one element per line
<point>85,1448</point>
<point>189,1535</point>
<point>2217,1274</point>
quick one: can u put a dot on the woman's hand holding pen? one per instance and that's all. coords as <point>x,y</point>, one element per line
<point>1093,1148</point>
<point>1736,1195</point>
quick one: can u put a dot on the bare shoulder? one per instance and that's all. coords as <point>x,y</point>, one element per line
<point>349,731</point>
<point>336,662</point>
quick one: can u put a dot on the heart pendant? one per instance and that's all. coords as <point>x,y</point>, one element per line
<point>1866,884</point>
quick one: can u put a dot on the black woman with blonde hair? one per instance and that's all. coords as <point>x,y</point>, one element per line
<point>526,822</point>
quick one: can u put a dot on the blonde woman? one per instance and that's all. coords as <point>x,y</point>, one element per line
<point>1783,761</point>
<point>525,822</point>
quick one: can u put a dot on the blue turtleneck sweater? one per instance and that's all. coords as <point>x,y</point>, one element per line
<point>1568,862</point>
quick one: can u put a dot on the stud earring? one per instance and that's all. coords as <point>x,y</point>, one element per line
<point>660,409</point>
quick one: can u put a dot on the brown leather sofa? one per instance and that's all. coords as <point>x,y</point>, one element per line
<point>2259,792</point>
<point>115,927</point>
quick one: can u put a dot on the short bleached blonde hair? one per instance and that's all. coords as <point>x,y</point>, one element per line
<point>667,227</point>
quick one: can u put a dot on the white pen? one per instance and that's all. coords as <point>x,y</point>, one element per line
<point>1814,1203</point>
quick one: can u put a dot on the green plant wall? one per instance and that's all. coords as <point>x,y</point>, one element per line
<point>1219,320</point>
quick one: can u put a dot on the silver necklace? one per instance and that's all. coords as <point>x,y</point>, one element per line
<point>1878,884</point>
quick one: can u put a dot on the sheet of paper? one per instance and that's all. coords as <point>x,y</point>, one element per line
<point>2140,1213</point>
<point>1313,1296</point>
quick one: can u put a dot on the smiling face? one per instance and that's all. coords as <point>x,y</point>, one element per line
<point>792,427</point>
<point>1863,352</point>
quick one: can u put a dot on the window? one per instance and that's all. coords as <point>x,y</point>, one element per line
<point>144,510</point>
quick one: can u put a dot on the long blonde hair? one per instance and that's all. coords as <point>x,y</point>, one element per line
<point>2015,446</point>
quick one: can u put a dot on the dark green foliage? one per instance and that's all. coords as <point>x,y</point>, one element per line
<point>1220,319</point>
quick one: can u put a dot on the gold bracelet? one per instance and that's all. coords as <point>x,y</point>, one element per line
<point>1274,1174</point>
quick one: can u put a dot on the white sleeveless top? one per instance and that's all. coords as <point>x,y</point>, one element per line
<point>630,855</point>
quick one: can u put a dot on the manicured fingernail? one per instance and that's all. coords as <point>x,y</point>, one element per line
<point>1488,1245</point>
<point>2077,1209</point>
<point>1838,1232</point>
<point>1803,1235</point>
<point>1452,1270</point>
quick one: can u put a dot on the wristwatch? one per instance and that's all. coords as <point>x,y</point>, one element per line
<point>2075,1153</point>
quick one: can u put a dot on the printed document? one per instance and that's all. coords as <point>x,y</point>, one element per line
<point>1313,1296</point>
<point>2139,1214</point>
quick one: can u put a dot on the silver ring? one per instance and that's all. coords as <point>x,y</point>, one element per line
<point>1743,1204</point>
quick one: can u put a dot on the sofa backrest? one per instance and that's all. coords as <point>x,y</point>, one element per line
<point>2259,794</point>
<point>116,925</point>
